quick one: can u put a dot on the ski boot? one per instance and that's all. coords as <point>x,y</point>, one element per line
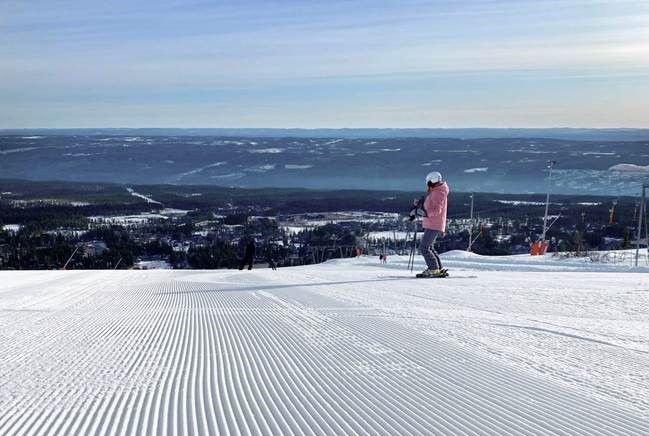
<point>432,274</point>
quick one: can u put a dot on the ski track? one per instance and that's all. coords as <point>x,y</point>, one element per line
<point>306,350</point>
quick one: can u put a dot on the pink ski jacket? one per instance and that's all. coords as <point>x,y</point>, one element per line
<point>435,206</point>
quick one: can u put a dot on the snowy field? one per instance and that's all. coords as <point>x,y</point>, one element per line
<point>509,345</point>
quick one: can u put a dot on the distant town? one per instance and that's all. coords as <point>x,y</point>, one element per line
<point>101,226</point>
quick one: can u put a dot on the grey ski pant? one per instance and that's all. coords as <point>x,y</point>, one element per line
<point>427,249</point>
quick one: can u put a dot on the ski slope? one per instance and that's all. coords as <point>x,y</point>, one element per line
<point>505,346</point>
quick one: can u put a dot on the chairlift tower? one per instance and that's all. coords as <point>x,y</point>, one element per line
<point>551,164</point>
<point>611,213</point>
<point>471,226</point>
<point>641,215</point>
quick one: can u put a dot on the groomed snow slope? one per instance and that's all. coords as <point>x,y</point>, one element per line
<point>340,348</point>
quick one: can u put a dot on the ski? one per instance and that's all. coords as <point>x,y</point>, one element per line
<point>442,274</point>
<point>415,277</point>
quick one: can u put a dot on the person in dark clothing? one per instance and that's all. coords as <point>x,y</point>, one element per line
<point>272,263</point>
<point>270,258</point>
<point>249,255</point>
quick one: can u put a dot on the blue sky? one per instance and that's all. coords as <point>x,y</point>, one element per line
<point>337,63</point>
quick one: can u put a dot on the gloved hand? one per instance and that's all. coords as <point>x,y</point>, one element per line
<point>412,217</point>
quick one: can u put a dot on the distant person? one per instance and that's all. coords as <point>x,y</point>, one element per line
<point>434,205</point>
<point>249,255</point>
<point>385,258</point>
<point>271,260</point>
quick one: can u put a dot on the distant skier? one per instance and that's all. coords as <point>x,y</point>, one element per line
<point>271,259</point>
<point>434,206</point>
<point>249,255</point>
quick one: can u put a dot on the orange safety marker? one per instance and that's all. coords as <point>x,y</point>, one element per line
<point>534,248</point>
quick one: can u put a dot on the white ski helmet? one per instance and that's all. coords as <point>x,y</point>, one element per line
<point>433,177</point>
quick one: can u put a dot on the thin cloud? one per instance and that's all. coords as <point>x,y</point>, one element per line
<point>361,54</point>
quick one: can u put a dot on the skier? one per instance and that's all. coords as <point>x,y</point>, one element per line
<point>249,255</point>
<point>434,206</point>
<point>271,259</point>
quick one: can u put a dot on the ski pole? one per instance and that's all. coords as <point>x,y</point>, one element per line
<point>410,257</point>
<point>411,260</point>
<point>405,242</point>
<point>414,248</point>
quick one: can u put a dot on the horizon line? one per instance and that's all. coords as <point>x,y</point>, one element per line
<point>325,128</point>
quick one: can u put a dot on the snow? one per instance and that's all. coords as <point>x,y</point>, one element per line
<point>507,345</point>
<point>18,150</point>
<point>630,168</point>
<point>67,232</point>
<point>261,168</point>
<point>152,264</point>
<point>400,235</point>
<point>476,170</point>
<point>173,212</point>
<point>80,154</point>
<point>522,203</point>
<point>127,220</point>
<point>532,151</point>
<point>236,175</point>
<point>199,170</point>
<point>267,150</point>
<point>294,230</point>
<point>143,197</point>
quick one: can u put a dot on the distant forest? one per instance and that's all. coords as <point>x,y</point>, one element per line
<point>47,222</point>
<point>72,199</point>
